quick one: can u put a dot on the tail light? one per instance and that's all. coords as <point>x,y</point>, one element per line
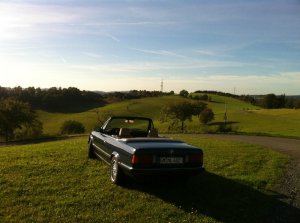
<point>134,159</point>
<point>141,159</point>
<point>196,158</point>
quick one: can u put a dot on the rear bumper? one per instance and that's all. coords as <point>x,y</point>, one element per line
<point>178,171</point>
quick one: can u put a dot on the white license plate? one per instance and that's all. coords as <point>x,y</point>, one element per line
<point>170,160</point>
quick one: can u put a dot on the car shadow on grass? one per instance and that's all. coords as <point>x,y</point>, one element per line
<point>222,199</point>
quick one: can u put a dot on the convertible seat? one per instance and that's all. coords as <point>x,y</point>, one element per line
<point>153,133</point>
<point>124,133</point>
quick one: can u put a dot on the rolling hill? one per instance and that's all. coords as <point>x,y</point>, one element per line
<point>244,117</point>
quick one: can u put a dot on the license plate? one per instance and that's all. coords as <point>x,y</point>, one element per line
<point>170,160</point>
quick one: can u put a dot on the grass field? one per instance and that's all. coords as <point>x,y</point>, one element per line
<point>245,118</point>
<point>55,182</point>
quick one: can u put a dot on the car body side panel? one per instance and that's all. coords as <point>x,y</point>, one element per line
<point>100,146</point>
<point>106,145</point>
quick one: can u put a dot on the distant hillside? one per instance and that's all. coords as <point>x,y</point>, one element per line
<point>287,96</point>
<point>242,116</point>
<point>293,96</point>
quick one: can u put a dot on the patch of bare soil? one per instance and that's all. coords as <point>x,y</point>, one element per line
<point>288,190</point>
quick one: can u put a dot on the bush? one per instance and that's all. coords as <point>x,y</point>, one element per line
<point>14,115</point>
<point>29,131</point>
<point>206,116</point>
<point>184,93</point>
<point>72,127</point>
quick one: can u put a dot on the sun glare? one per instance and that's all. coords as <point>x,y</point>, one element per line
<point>10,22</point>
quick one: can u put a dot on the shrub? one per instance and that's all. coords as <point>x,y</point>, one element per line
<point>72,127</point>
<point>29,131</point>
<point>206,115</point>
<point>14,115</point>
<point>184,93</point>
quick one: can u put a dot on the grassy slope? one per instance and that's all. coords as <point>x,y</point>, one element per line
<point>274,121</point>
<point>252,119</point>
<point>246,117</point>
<point>149,107</point>
<point>54,182</point>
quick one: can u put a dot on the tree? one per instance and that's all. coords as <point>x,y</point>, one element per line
<point>181,111</point>
<point>206,116</point>
<point>296,103</point>
<point>269,101</point>
<point>72,127</point>
<point>273,101</point>
<point>184,93</point>
<point>14,115</point>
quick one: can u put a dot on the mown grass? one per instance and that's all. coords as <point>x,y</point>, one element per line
<point>55,182</point>
<point>242,117</point>
<point>282,122</point>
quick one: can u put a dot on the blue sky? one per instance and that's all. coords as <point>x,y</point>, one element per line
<point>250,46</point>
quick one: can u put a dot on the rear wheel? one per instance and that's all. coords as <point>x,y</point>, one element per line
<point>116,175</point>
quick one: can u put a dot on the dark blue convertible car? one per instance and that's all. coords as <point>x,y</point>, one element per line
<point>132,147</point>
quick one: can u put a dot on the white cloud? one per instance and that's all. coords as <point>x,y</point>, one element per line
<point>19,21</point>
<point>159,52</point>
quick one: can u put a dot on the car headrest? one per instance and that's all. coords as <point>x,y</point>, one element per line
<point>153,133</point>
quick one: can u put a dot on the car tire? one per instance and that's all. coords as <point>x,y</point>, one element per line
<point>116,175</point>
<point>91,152</point>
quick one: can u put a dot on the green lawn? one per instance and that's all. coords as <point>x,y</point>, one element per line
<point>55,182</point>
<point>245,118</point>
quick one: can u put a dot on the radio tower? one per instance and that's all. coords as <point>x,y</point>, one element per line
<point>161,85</point>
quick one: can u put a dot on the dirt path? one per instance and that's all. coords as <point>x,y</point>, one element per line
<point>289,188</point>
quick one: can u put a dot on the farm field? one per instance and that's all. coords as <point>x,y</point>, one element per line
<point>243,117</point>
<point>55,182</point>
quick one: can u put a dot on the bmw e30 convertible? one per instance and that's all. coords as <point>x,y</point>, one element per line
<point>132,147</point>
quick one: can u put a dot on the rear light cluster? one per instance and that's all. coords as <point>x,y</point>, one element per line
<point>195,158</point>
<point>142,159</point>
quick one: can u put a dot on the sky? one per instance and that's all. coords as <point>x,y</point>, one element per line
<point>241,47</point>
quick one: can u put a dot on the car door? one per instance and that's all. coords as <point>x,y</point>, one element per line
<point>101,146</point>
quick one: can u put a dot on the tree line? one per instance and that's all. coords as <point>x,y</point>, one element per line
<point>246,98</point>
<point>52,98</point>
<point>272,101</point>
<point>134,94</point>
<point>268,101</point>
